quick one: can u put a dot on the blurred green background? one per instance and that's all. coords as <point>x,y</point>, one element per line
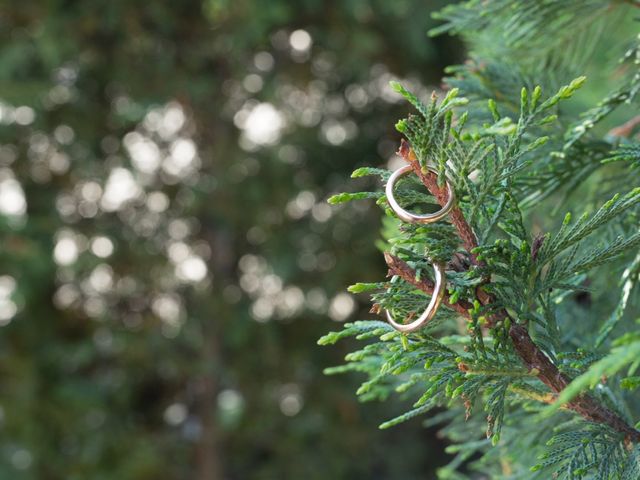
<point>167,256</point>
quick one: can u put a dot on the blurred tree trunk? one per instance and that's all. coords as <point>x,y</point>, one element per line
<point>208,458</point>
<point>208,450</point>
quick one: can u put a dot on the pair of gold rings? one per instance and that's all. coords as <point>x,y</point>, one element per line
<point>439,268</point>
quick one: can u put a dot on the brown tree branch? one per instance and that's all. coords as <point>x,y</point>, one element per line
<point>536,360</point>
<point>430,180</point>
<point>626,129</point>
<point>408,274</point>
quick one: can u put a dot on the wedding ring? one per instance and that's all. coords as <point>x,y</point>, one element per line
<point>432,308</point>
<point>409,217</point>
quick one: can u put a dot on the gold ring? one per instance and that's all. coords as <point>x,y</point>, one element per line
<point>412,217</point>
<point>432,308</point>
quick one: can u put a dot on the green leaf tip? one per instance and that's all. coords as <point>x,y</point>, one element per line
<point>362,287</point>
<point>401,126</point>
<point>335,199</point>
<point>329,339</point>
<point>396,86</point>
<point>578,82</point>
<point>347,197</point>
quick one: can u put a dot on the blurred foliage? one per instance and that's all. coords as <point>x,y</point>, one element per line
<point>167,256</point>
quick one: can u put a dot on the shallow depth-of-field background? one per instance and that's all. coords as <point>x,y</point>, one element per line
<point>167,256</point>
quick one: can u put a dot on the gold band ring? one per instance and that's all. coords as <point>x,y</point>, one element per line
<point>432,308</point>
<point>409,217</point>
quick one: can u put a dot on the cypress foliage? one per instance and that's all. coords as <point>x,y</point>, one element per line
<point>530,365</point>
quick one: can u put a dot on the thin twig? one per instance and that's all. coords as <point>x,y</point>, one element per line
<point>403,270</point>
<point>430,180</point>
<point>626,129</point>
